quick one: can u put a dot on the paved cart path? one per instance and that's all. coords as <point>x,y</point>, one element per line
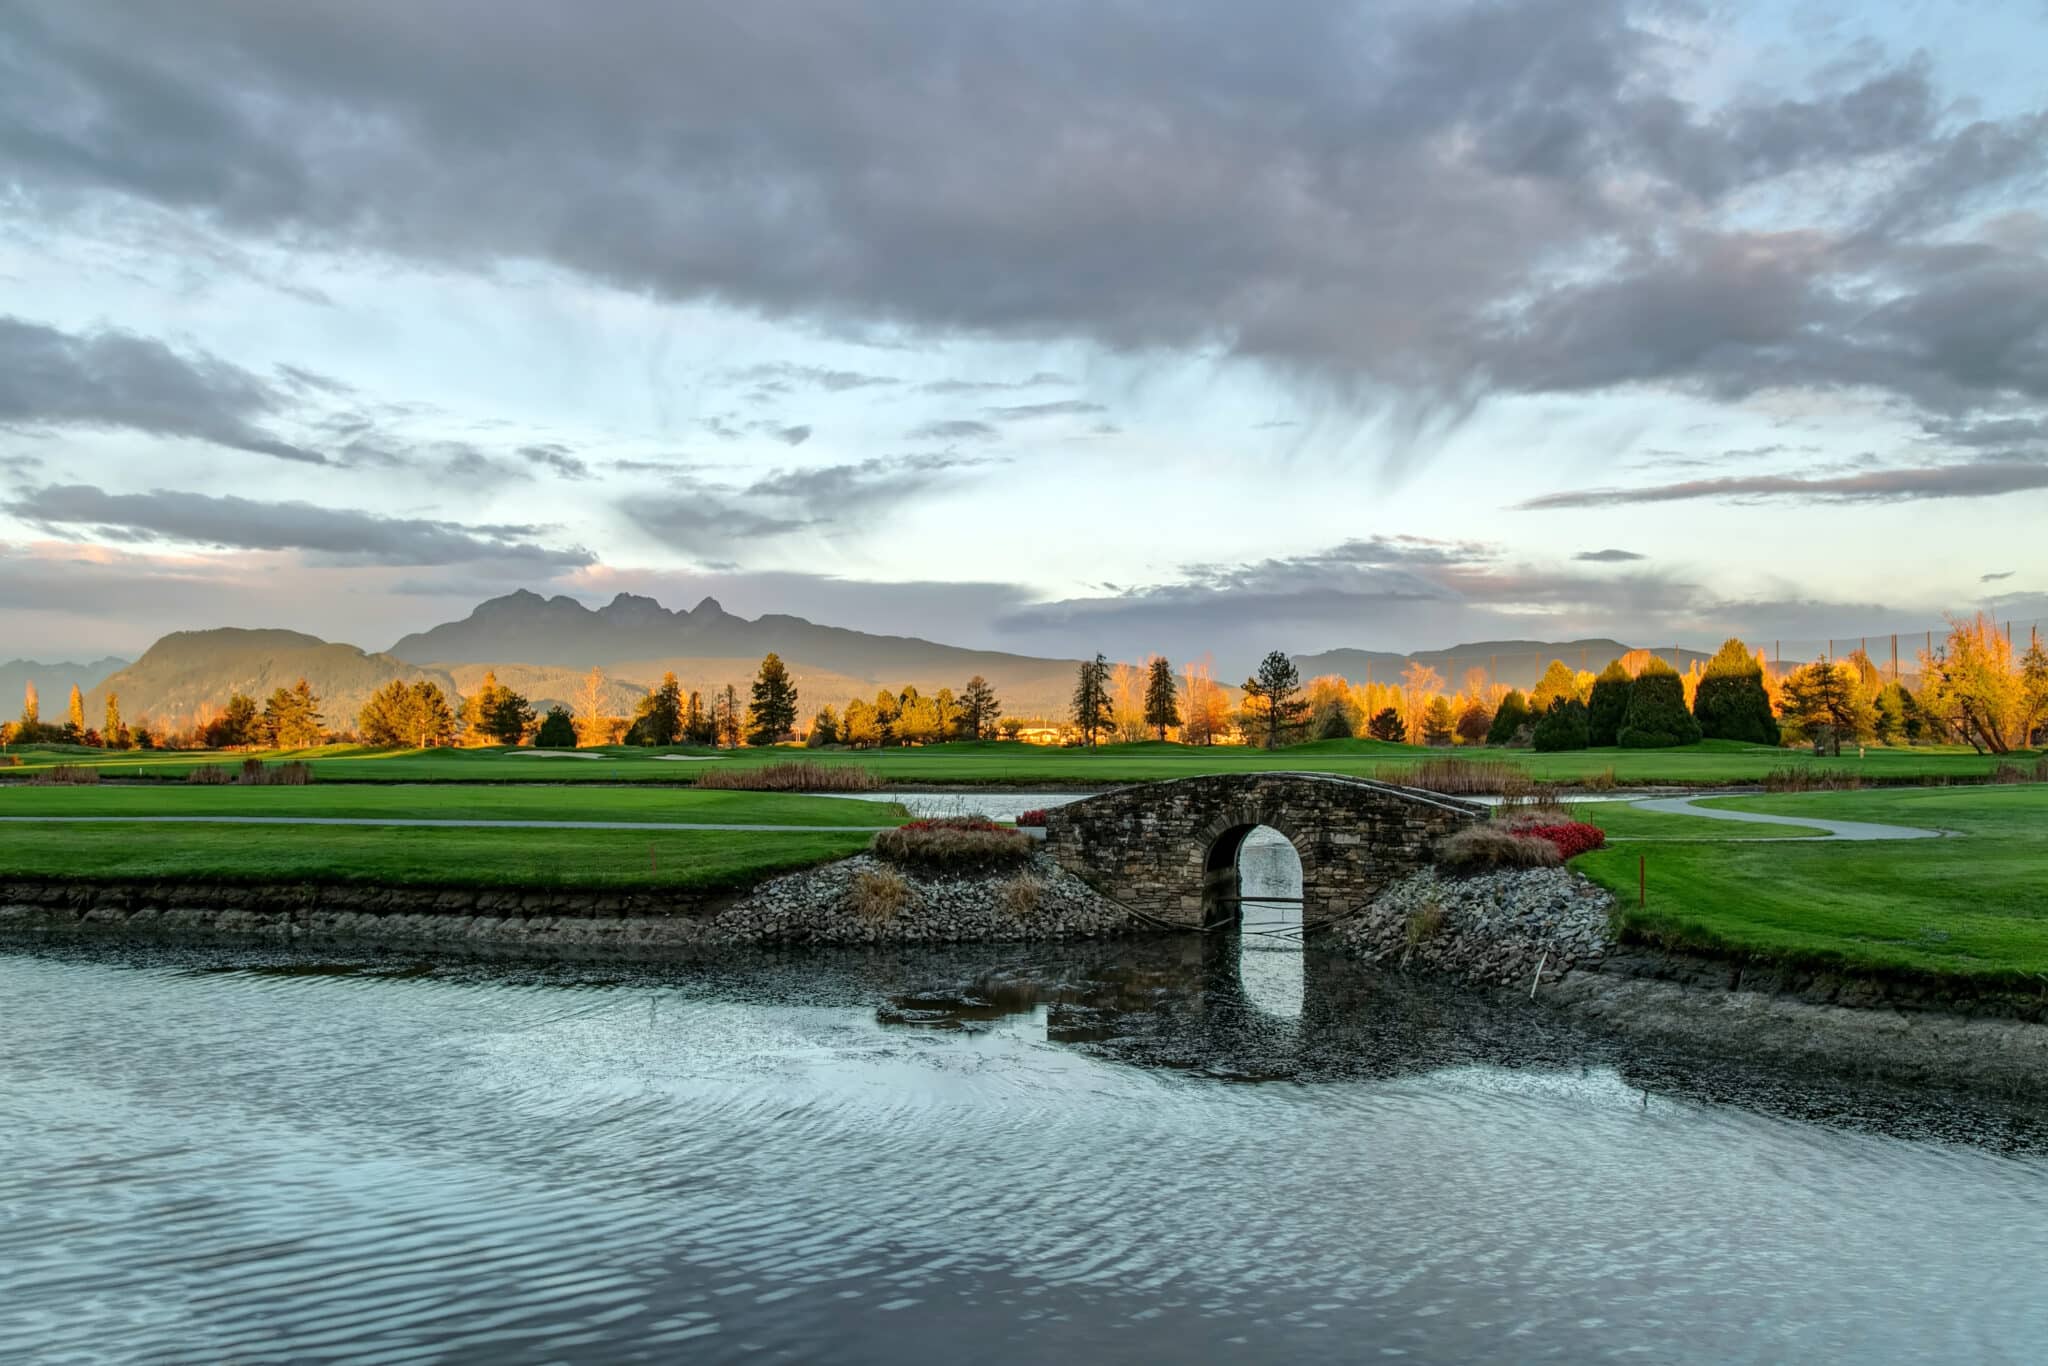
<point>438,824</point>
<point>1840,830</point>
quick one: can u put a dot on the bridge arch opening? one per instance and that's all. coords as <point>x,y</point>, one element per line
<point>1253,883</point>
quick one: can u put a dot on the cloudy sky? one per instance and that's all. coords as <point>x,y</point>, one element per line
<point>1052,327</point>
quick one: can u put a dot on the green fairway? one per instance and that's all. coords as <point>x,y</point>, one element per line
<point>397,856</point>
<point>1972,908</point>
<point>449,802</point>
<point>1709,764</point>
<point>1623,822</point>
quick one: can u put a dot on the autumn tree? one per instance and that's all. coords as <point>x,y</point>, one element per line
<point>1558,681</point>
<point>1273,697</point>
<point>1386,724</point>
<point>1419,683</point>
<point>1127,702</point>
<point>495,714</point>
<point>1823,704</point>
<point>919,722</point>
<point>1205,711</point>
<point>31,709</point>
<point>1971,687</point>
<point>1510,718</point>
<point>979,709</point>
<point>291,718</point>
<point>727,716</point>
<point>947,708</point>
<point>697,724</point>
<point>1474,722</point>
<point>771,709</point>
<point>2034,693</point>
<point>1732,702</point>
<point>593,726</point>
<point>860,728</point>
<point>114,734</point>
<point>888,707</point>
<point>557,729</point>
<point>1162,698</point>
<point>1091,706</point>
<point>75,714</point>
<point>1608,704</point>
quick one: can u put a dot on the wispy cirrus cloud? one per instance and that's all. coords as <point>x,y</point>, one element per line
<point>1982,480</point>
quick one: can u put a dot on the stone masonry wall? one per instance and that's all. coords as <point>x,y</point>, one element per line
<point>1147,846</point>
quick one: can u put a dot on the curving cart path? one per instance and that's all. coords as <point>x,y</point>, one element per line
<point>436,824</point>
<point>1839,830</point>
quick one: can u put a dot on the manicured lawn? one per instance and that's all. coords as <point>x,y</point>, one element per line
<point>1971,908</point>
<point>448,802</point>
<point>1709,764</point>
<point>395,856</point>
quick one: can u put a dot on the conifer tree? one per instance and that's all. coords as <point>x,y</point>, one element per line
<point>1162,698</point>
<point>115,734</point>
<point>1657,717</point>
<point>771,710</point>
<point>1091,699</point>
<point>1732,702</point>
<point>1608,704</point>
<point>1563,726</point>
<point>1273,695</point>
<point>824,729</point>
<point>1438,724</point>
<point>979,709</point>
<point>1509,718</point>
<point>1386,724</point>
<point>557,729</point>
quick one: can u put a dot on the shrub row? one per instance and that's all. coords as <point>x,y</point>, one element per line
<point>66,775</point>
<point>1572,838</point>
<point>253,773</point>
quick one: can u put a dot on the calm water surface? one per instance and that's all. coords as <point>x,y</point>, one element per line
<point>1096,1153</point>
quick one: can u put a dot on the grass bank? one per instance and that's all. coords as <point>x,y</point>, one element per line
<point>1966,911</point>
<point>401,857</point>
<point>449,802</point>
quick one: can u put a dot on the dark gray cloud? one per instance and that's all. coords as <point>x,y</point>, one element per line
<point>115,379</point>
<point>1608,556</point>
<point>956,387</point>
<point>957,429</point>
<point>705,522</point>
<point>827,491</point>
<point>1438,199</point>
<point>328,535</point>
<point>1995,578</point>
<point>1980,480</point>
<point>793,435</point>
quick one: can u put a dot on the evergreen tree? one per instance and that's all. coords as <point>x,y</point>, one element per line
<point>1162,697</point>
<point>430,720</point>
<point>1657,717</point>
<point>771,709</point>
<point>979,709</point>
<point>496,714</point>
<point>1386,725</point>
<point>236,726</point>
<point>1509,719</point>
<point>658,718</point>
<point>1564,726</point>
<point>1558,681</point>
<point>1274,695</point>
<point>1474,722</point>
<point>860,728</point>
<point>1892,701</point>
<point>948,709</point>
<point>1608,704</point>
<point>1091,699</point>
<point>1732,703</point>
<point>887,708</point>
<point>729,717</point>
<point>1331,723</point>
<point>557,729</point>
<point>920,722</point>
<point>1824,704</point>
<point>292,719</point>
<point>824,729</point>
<point>698,728</point>
<point>1439,726</point>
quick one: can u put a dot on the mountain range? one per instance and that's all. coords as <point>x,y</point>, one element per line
<point>53,683</point>
<point>545,646</point>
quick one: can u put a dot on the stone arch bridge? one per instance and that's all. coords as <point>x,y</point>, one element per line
<point>1169,849</point>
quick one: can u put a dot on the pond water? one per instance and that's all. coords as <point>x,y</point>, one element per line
<point>1100,1153</point>
<point>1007,806</point>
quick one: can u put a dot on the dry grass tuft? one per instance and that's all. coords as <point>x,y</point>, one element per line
<point>1459,777</point>
<point>1020,895</point>
<point>798,775</point>
<point>66,775</point>
<point>1493,845</point>
<point>879,895</point>
<point>1424,923</point>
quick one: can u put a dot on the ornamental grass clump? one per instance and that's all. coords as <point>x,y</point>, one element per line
<point>1495,846</point>
<point>954,845</point>
<point>1457,777</point>
<point>255,773</point>
<point>793,776</point>
<point>1020,896</point>
<point>66,775</point>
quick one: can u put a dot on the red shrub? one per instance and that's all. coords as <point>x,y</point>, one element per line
<point>1572,838</point>
<point>1033,818</point>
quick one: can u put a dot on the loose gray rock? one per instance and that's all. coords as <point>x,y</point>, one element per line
<point>1494,928</point>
